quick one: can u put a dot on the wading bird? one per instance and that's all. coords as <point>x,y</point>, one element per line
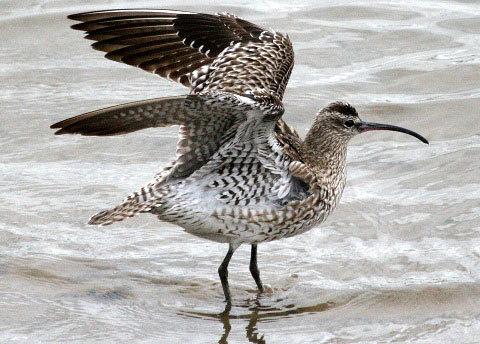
<point>242,175</point>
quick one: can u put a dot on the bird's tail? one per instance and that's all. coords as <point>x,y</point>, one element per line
<point>139,202</point>
<point>118,213</point>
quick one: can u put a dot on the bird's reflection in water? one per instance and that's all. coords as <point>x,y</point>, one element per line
<point>256,313</point>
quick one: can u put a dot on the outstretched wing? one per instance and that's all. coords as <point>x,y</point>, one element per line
<point>201,51</point>
<point>234,129</point>
<point>206,122</point>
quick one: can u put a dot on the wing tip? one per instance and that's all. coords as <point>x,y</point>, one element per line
<point>62,124</point>
<point>74,16</point>
<point>65,127</point>
<point>62,130</point>
<point>78,26</point>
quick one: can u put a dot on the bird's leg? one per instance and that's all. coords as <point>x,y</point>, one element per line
<point>223,273</point>
<point>254,268</point>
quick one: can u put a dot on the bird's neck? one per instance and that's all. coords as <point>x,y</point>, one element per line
<point>326,155</point>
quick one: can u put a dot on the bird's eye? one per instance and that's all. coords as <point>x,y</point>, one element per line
<point>349,123</point>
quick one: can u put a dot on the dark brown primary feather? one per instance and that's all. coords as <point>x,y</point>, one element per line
<point>169,43</point>
<point>121,119</point>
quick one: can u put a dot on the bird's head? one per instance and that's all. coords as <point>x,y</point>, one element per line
<point>341,122</point>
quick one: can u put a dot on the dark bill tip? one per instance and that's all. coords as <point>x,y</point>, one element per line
<point>367,126</point>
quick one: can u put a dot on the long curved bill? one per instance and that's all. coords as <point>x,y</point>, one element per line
<point>367,126</point>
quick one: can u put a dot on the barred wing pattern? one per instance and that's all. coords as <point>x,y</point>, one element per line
<point>203,119</point>
<point>231,134</point>
<point>218,52</point>
<point>221,135</point>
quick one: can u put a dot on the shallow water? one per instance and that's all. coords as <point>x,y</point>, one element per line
<point>397,262</point>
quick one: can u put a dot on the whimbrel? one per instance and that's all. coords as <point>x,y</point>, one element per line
<point>242,175</point>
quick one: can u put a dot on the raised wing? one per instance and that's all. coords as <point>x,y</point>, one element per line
<point>201,51</point>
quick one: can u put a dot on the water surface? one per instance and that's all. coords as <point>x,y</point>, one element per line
<point>397,262</point>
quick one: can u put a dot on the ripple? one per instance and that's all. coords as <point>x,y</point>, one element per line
<point>398,261</point>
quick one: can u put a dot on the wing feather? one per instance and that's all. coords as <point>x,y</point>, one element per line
<point>237,73</point>
<point>177,44</point>
<point>205,122</point>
